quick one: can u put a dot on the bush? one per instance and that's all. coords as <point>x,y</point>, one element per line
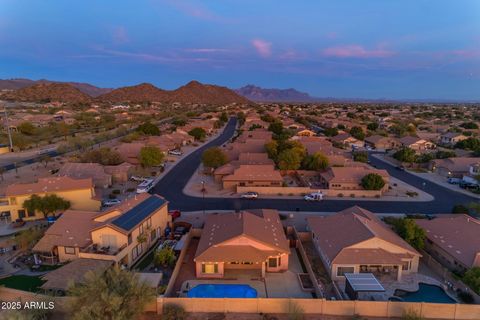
<point>214,157</point>
<point>173,312</point>
<point>412,315</point>
<point>373,181</point>
<point>472,279</point>
<point>116,191</point>
<point>460,208</point>
<point>164,257</point>
<point>466,297</point>
<point>296,312</point>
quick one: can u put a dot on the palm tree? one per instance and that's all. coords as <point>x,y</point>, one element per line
<point>112,295</point>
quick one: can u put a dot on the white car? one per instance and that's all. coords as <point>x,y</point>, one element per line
<point>249,195</point>
<point>175,152</point>
<point>111,202</point>
<point>316,196</point>
<point>136,178</point>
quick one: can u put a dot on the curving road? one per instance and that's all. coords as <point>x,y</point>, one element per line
<point>172,184</point>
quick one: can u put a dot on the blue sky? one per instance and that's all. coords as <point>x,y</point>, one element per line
<point>343,48</point>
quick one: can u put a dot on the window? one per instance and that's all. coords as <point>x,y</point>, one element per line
<point>13,201</point>
<point>342,270</point>
<point>153,235</point>
<point>140,229</point>
<point>69,250</point>
<point>21,213</point>
<point>31,213</point>
<point>406,265</point>
<point>210,268</point>
<point>129,238</point>
<point>272,262</point>
<point>137,251</point>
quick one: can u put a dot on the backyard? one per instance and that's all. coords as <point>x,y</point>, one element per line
<point>22,282</point>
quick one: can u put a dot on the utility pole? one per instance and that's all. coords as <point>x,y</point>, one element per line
<point>8,129</point>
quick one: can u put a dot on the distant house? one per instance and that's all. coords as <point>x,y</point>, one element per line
<point>95,171</point>
<point>110,235</point>
<point>80,193</point>
<point>451,138</point>
<point>347,140</point>
<point>416,143</point>
<point>130,151</point>
<point>235,149</point>
<point>381,143</point>
<point>453,240</point>
<point>453,167</point>
<point>305,133</point>
<point>355,240</point>
<point>350,178</point>
<point>242,241</point>
<point>253,176</point>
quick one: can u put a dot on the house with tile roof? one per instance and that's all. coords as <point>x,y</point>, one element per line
<point>355,240</point>
<point>350,178</point>
<point>454,167</point>
<point>249,240</point>
<point>261,175</point>
<point>121,234</point>
<point>452,239</point>
<point>80,193</point>
<point>416,143</point>
<point>381,143</point>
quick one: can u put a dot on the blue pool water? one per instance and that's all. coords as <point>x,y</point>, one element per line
<point>222,291</point>
<point>425,293</point>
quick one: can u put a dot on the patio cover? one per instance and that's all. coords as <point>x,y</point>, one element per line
<point>361,282</point>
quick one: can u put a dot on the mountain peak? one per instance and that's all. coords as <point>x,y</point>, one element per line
<point>255,93</point>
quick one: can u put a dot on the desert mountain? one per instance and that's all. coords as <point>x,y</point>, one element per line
<point>15,84</point>
<point>255,93</point>
<point>61,92</point>
<point>138,93</point>
<point>193,92</point>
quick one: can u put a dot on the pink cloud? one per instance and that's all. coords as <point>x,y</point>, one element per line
<point>357,51</point>
<point>332,35</point>
<point>466,53</point>
<point>207,50</point>
<point>263,47</point>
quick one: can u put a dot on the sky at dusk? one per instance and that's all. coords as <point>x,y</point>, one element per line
<point>399,49</point>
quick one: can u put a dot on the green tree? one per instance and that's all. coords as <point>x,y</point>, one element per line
<point>198,133</point>
<point>372,126</point>
<point>330,132</point>
<point>20,141</point>
<point>165,257</point>
<point>111,295</point>
<point>357,133</point>
<point>276,127</point>
<point>48,204</point>
<point>26,239</point>
<point>149,128</point>
<point>373,181</point>
<point>272,149</point>
<point>405,155</point>
<point>460,208</point>
<point>241,117</point>
<point>214,157</point>
<point>151,156</point>
<point>179,121</point>
<point>223,117</point>
<point>410,232</point>
<point>472,279</point>
<point>104,156</point>
<point>289,159</point>
<point>27,128</point>
<point>468,144</point>
<point>469,125</point>
<point>360,156</point>
<point>317,161</point>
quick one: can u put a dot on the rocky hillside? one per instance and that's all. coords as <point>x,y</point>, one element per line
<point>15,84</point>
<point>255,93</point>
<point>139,93</point>
<point>194,93</point>
<point>49,92</point>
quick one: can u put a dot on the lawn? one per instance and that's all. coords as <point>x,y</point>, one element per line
<point>21,282</point>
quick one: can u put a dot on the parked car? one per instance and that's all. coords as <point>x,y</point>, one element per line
<point>111,202</point>
<point>18,223</point>
<point>401,168</point>
<point>454,180</point>
<point>145,186</point>
<point>175,214</point>
<point>136,178</point>
<point>316,196</point>
<point>249,195</point>
<point>469,185</point>
<point>175,152</point>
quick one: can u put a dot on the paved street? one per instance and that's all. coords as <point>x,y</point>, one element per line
<point>172,184</point>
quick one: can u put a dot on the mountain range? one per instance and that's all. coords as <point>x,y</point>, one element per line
<point>193,92</point>
<point>255,93</point>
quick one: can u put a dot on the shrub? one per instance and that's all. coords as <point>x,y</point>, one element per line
<point>466,297</point>
<point>373,181</point>
<point>296,312</point>
<point>459,208</point>
<point>411,315</point>
<point>173,312</point>
<point>164,257</point>
<point>340,195</point>
<point>116,191</point>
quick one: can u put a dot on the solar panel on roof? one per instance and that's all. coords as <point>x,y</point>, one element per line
<point>363,282</point>
<point>137,214</point>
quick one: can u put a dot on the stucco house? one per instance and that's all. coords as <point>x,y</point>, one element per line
<point>381,143</point>
<point>261,175</point>
<point>80,193</point>
<point>249,240</point>
<point>355,240</point>
<point>350,178</point>
<point>451,138</point>
<point>416,143</point>
<point>453,240</point>
<point>121,234</point>
<point>453,167</point>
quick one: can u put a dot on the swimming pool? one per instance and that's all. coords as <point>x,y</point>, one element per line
<point>222,291</point>
<point>425,293</point>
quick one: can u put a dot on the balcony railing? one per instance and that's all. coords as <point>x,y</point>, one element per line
<point>98,249</point>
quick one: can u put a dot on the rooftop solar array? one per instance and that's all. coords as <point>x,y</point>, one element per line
<point>364,282</point>
<point>137,214</point>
